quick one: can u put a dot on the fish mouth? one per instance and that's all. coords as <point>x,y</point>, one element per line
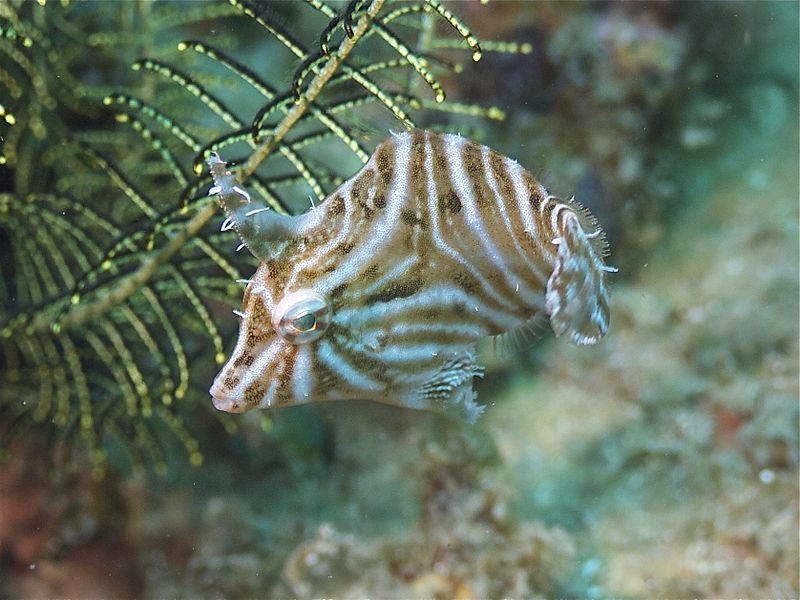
<point>223,401</point>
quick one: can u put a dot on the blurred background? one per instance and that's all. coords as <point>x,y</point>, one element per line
<point>662,462</point>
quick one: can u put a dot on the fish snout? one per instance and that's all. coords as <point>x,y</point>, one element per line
<point>224,399</point>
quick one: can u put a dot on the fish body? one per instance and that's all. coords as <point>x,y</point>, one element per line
<point>382,291</point>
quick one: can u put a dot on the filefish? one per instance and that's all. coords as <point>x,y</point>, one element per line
<point>383,290</point>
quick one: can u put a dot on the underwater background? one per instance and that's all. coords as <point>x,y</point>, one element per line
<point>661,462</point>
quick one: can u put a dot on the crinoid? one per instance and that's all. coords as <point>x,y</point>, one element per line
<point>112,259</point>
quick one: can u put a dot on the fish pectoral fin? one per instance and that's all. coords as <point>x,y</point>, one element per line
<point>449,387</point>
<point>577,296</point>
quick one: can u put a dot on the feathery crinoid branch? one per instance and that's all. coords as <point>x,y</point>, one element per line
<point>115,276</point>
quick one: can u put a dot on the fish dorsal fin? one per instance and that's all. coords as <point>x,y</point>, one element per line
<point>259,227</point>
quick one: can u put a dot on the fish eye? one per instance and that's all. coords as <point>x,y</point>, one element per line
<point>301,317</point>
<point>305,323</point>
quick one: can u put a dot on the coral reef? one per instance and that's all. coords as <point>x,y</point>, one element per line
<point>661,463</point>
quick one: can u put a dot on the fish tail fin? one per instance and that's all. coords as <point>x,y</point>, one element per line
<point>577,296</point>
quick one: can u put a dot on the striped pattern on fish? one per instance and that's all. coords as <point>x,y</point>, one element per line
<point>382,291</point>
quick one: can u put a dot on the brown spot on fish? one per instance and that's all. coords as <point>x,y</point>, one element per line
<point>274,268</point>
<point>450,201</point>
<point>244,360</point>
<point>396,290</point>
<point>338,290</point>
<point>337,205</point>
<point>465,281</point>
<point>345,247</point>
<point>498,167</point>
<point>411,219</point>
<point>385,161</point>
<point>254,394</point>
<point>471,155</point>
